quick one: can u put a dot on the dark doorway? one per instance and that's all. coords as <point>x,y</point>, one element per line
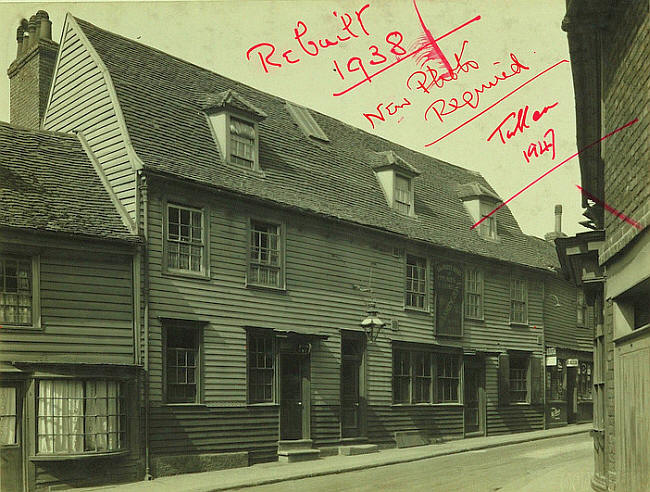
<point>571,396</point>
<point>11,448</point>
<point>352,382</point>
<point>293,370</point>
<point>474,399</point>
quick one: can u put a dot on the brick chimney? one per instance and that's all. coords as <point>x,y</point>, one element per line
<point>552,236</point>
<point>30,74</point>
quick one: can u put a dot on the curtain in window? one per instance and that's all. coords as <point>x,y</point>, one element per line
<point>102,416</point>
<point>60,417</point>
<point>7,415</point>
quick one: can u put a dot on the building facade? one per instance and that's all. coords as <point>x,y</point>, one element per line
<point>68,367</point>
<point>302,284</point>
<point>609,49</point>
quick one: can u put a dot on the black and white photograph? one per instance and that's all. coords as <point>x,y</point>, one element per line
<point>325,245</point>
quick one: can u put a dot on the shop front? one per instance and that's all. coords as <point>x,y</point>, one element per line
<point>568,387</point>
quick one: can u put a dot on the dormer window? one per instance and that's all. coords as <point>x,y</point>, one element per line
<point>395,176</point>
<point>243,142</point>
<point>480,201</point>
<point>403,202</point>
<point>234,124</point>
<point>488,228</point>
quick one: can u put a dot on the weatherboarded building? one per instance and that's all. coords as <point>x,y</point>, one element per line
<point>303,284</point>
<point>68,368</point>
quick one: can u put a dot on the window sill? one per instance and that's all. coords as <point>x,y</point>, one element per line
<point>271,288</point>
<point>412,309</point>
<point>407,405</point>
<point>522,324</point>
<point>185,274</point>
<point>263,404</point>
<point>184,405</point>
<point>62,457</point>
<point>519,403</point>
<point>449,335</point>
<point>254,171</point>
<point>36,327</point>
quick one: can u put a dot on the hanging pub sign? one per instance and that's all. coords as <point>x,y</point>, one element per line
<point>449,299</point>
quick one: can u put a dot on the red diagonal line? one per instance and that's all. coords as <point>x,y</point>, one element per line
<point>610,209</point>
<point>478,17</point>
<point>494,104</point>
<point>630,123</point>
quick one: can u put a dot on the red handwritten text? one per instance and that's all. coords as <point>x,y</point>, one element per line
<point>542,146</point>
<point>350,30</point>
<point>521,118</point>
<point>442,107</point>
<point>391,109</point>
<point>424,80</point>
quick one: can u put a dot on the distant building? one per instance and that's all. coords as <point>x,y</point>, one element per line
<point>609,47</point>
<point>302,284</point>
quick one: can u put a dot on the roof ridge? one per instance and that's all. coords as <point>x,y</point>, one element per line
<point>38,131</point>
<point>238,82</point>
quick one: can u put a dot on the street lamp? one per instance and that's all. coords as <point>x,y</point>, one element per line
<point>372,324</point>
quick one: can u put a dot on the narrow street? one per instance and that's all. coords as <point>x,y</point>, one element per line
<point>562,464</point>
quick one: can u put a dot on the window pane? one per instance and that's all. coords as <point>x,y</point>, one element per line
<point>15,291</point>
<point>7,415</point>
<point>182,349</point>
<point>261,368</point>
<point>185,239</point>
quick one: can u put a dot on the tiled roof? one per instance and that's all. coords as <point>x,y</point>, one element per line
<point>388,158</point>
<point>471,190</point>
<point>229,99</point>
<point>162,98</point>
<point>47,183</point>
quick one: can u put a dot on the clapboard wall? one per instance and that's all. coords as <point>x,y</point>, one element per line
<point>326,263</point>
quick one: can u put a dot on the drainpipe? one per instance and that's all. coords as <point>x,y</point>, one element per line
<point>143,192</point>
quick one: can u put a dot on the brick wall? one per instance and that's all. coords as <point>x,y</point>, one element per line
<point>29,86</point>
<point>626,95</point>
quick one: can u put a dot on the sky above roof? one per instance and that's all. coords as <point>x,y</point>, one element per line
<point>218,36</point>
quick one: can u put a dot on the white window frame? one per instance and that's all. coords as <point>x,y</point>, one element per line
<point>203,245</point>
<point>122,417</point>
<point>474,288</point>
<point>528,381</point>
<point>197,331</point>
<point>35,323</point>
<point>407,292</point>
<point>488,228</point>
<point>398,200</point>
<point>524,301</point>
<point>281,245</point>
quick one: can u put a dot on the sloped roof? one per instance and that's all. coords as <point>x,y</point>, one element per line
<point>47,183</point>
<point>162,98</point>
<point>229,99</point>
<point>388,158</point>
<point>476,189</point>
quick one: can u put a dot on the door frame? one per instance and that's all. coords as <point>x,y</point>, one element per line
<point>291,349</point>
<point>363,387</point>
<point>476,362</point>
<point>21,407</point>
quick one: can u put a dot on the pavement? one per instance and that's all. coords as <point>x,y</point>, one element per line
<point>270,473</point>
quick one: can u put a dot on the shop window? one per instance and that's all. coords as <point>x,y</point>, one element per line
<point>585,381</point>
<point>261,368</point>
<point>447,378</point>
<point>556,382</point>
<point>80,417</point>
<point>401,376</point>
<point>182,364</point>
<point>425,377</point>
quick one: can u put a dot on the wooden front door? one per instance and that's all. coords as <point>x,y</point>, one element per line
<point>11,447</point>
<point>352,377</point>
<point>474,400</point>
<point>292,367</point>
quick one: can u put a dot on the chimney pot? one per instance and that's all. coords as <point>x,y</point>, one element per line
<point>33,31</point>
<point>45,25</point>
<point>20,34</point>
<point>558,219</point>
